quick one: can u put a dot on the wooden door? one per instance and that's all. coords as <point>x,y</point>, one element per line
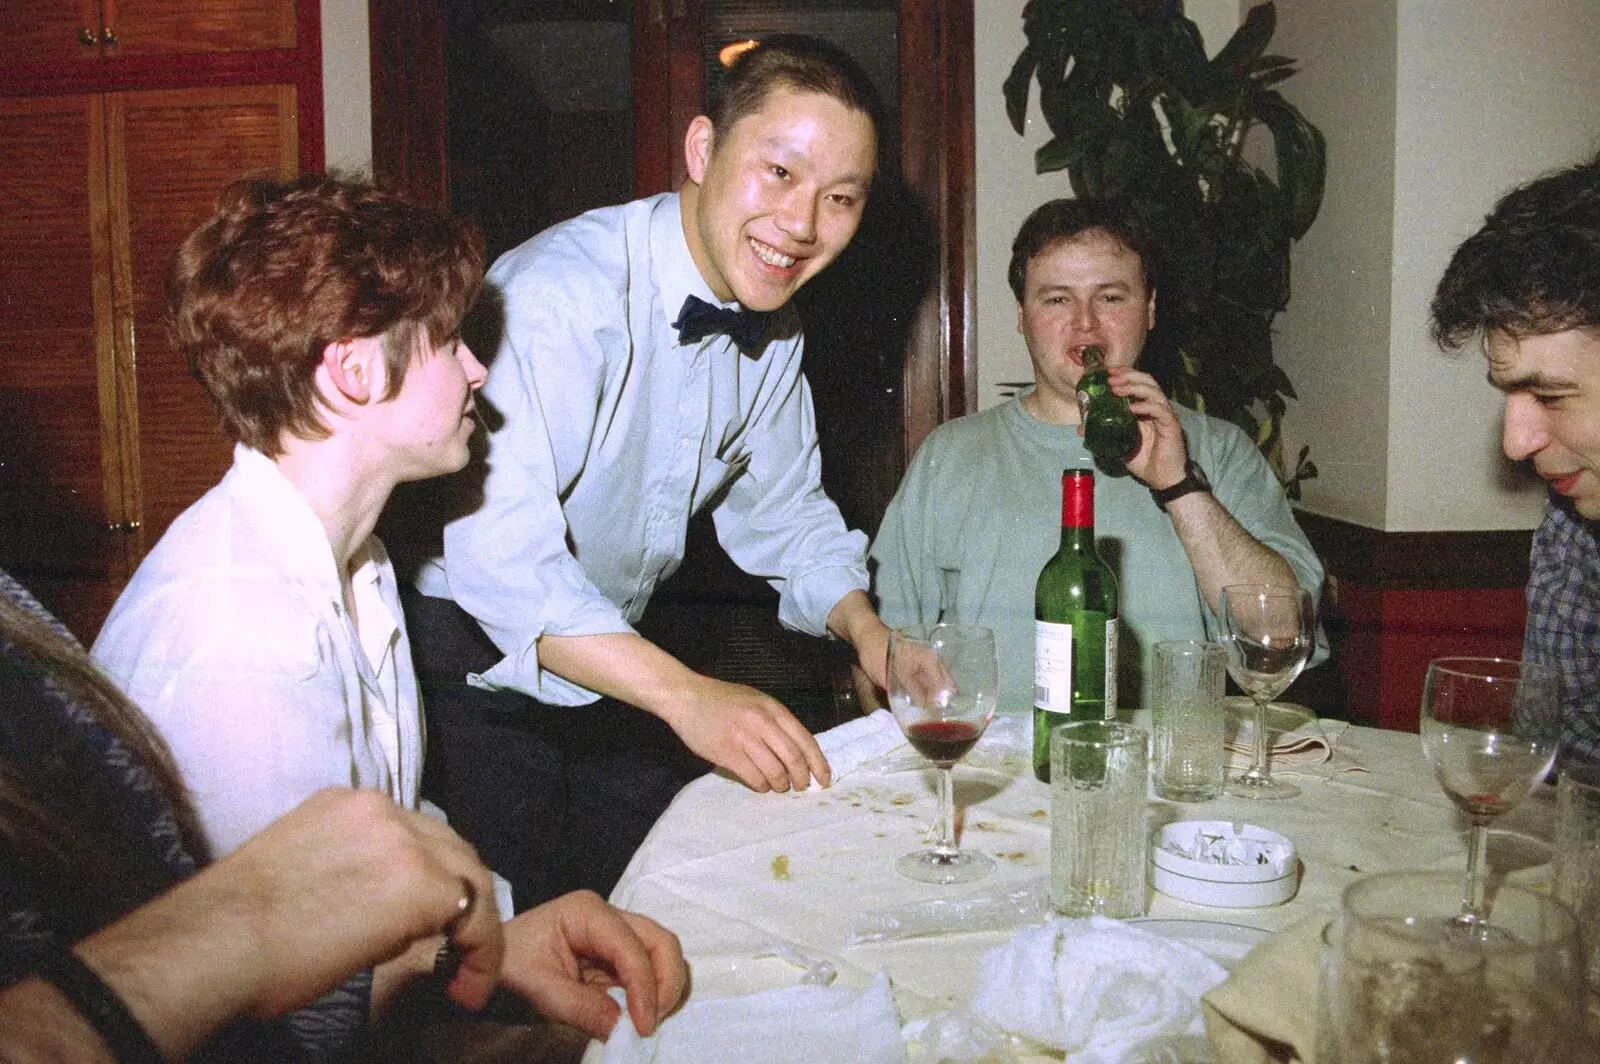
<point>170,152</point>
<point>59,33</point>
<point>174,27</point>
<point>61,490</point>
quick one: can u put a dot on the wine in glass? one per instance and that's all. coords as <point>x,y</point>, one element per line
<point>1490,729</point>
<point>1269,631</point>
<point>943,689</point>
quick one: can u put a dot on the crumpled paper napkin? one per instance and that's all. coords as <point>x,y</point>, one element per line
<point>791,1025</point>
<point>855,742</point>
<point>1096,988</point>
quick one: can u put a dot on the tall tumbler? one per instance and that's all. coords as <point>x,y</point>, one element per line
<point>1188,720</point>
<point>1577,857</point>
<point>1098,782</point>
<point>1404,983</point>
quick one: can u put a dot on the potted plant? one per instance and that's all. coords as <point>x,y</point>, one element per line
<point>1137,111</point>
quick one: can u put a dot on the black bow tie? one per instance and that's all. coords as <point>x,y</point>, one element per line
<point>699,319</point>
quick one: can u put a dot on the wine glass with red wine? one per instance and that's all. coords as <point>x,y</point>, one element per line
<point>943,689</point>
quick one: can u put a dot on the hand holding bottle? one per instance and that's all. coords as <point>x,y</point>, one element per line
<point>1162,456</point>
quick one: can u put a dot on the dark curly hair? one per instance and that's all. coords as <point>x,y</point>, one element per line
<point>281,270</point>
<point>1061,220</point>
<point>1533,268</point>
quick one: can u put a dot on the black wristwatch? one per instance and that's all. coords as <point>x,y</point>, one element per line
<point>1194,479</point>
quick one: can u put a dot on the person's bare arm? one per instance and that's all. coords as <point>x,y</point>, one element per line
<point>342,882</point>
<point>1221,551</point>
<point>734,726</point>
<point>854,619</point>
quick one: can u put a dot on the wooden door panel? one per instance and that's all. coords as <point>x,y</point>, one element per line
<point>46,33</point>
<point>165,27</point>
<point>54,481</point>
<point>176,150</point>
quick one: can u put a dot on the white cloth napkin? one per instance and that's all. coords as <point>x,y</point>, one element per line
<point>1096,988</point>
<point>855,742</point>
<point>792,1025</point>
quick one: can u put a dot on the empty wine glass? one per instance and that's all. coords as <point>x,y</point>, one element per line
<point>1490,729</point>
<point>943,688</point>
<point>1269,631</point>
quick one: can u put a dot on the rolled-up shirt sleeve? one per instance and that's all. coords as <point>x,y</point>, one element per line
<point>776,520</point>
<point>508,561</point>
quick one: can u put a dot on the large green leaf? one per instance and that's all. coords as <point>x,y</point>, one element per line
<point>1249,41</point>
<point>1016,87</point>
<point>1302,159</point>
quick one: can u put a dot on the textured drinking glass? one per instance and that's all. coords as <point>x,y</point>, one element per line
<point>1402,985</point>
<point>1578,856</point>
<point>1187,720</point>
<point>1098,781</point>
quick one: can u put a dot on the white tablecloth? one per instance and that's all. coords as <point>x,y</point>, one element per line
<point>733,872</point>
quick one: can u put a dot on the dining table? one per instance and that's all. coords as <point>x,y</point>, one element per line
<point>760,886</point>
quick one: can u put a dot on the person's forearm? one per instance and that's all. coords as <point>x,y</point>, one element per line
<point>183,965</point>
<point>853,618</point>
<point>38,1025</point>
<point>1221,551</point>
<point>624,666</point>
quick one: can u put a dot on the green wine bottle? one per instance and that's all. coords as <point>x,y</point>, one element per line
<point>1075,626</point>
<point>1110,431</point>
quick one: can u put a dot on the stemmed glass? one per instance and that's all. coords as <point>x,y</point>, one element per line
<point>943,689</point>
<point>1269,631</point>
<point>1490,729</point>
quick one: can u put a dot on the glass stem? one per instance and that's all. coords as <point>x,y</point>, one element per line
<point>1259,766</point>
<point>1477,857</point>
<point>946,846</point>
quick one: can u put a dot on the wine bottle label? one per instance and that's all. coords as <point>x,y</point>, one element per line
<point>1111,668</point>
<point>1052,666</point>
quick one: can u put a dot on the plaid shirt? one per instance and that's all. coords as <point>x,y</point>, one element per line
<point>1564,622</point>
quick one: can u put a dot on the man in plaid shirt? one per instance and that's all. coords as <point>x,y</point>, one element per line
<point>1528,285</point>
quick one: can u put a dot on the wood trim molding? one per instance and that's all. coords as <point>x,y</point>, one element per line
<point>409,130</point>
<point>1418,561</point>
<point>936,144</point>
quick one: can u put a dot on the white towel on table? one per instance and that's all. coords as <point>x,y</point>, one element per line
<point>793,1025</point>
<point>1095,988</point>
<point>850,745</point>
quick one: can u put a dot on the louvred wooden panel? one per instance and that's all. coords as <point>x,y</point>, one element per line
<point>178,149</point>
<point>54,481</point>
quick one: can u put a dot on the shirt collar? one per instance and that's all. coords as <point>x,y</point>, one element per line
<point>672,264</point>
<point>297,538</point>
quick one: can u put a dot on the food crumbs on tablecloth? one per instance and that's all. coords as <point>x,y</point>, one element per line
<point>1014,855</point>
<point>1039,814</point>
<point>780,866</point>
<point>901,800</point>
<point>1353,868</point>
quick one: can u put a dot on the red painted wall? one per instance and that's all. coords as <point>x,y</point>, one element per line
<point>1392,635</point>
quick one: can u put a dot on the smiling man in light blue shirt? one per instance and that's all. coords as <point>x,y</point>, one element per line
<point>621,419</point>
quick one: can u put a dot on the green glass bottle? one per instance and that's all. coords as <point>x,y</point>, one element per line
<point>1110,431</point>
<point>1075,626</point>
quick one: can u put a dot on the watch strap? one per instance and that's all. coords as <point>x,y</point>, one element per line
<point>1194,479</point>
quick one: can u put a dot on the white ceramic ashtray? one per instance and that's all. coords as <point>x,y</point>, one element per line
<point>1223,864</point>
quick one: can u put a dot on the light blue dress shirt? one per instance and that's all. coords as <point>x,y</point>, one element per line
<point>614,434</point>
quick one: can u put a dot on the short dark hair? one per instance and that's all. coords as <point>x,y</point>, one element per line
<point>283,269</point>
<point>790,61</point>
<point>1533,268</point>
<point>1061,220</point>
